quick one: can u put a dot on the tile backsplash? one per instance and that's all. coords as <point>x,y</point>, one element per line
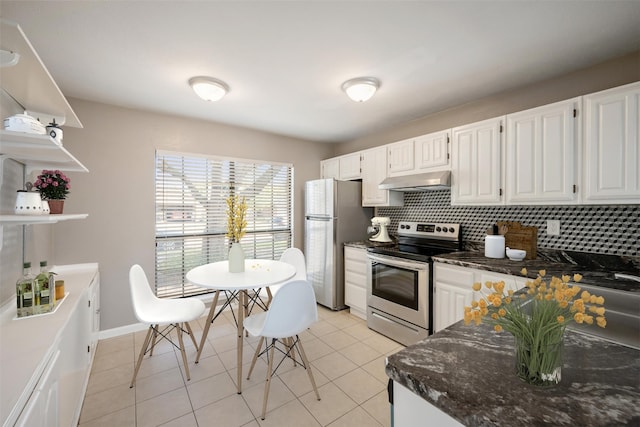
<point>605,229</point>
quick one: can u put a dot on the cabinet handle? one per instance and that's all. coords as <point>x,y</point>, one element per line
<point>575,188</point>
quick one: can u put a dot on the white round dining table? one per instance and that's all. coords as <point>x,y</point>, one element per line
<point>258,273</point>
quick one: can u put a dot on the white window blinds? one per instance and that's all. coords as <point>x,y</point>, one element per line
<point>191,192</point>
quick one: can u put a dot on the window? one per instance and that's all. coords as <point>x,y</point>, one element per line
<point>191,192</point>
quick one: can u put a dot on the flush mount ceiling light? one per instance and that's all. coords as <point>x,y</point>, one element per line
<point>208,88</point>
<point>361,88</point>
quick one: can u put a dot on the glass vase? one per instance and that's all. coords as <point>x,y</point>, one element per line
<point>236,258</point>
<point>539,364</point>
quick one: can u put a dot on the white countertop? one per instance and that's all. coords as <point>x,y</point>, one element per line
<point>26,344</point>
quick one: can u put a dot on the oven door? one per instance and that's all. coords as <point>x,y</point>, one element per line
<point>400,288</point>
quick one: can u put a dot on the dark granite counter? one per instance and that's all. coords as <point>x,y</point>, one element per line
<point>364,244</point>
<point>468,372</point>
<point>597,270</point>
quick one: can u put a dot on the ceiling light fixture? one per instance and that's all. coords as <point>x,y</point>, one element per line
<point>208,88</point>
<point>361,89</point>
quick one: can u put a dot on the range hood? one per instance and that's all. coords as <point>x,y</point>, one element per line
<point>418,182</point>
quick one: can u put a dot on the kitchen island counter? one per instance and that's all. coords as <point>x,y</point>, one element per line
<point>468,372</point>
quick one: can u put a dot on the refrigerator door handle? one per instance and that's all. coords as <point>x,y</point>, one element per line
<point>318,218</point>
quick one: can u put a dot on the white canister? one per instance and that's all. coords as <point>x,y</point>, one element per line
<point>55,132</point>
<point>28,203</point>
<point>494,246</point>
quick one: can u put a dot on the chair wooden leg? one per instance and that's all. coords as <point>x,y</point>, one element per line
<point>289,343</point>
<point>269,297</point>
<point>153,340</point>
<point>184,354</point>
<point>193,338</point>
<point>207,325</point>
<point>268,382</point>
<point>142,351</point>
<point>308,366</point>
<point>255,357</point>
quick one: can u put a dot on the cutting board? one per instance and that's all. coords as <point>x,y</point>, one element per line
<point>518,236</point>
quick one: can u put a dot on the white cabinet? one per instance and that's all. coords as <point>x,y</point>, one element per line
<point>401,157</point>
<point>476,163</point>
<point>542,154</point>
<point>355,280</point>
<point>330,168</point>
<point>453,290</point>
<point>344,168</point>
<point>374,170</point>
<point>43,379</point>
<point>350,167</point>
<point>432,152</point>
<point>611,146</point>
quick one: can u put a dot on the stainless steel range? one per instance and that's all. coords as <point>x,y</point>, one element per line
<point>400,280</point>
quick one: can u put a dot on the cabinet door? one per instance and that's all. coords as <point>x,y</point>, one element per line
<point>42,407</point>
<point>453,291</point>
<point>432,151</point>
<point>401,157</point>
<point>355,280</point>
<point>374,170</point>
<point>349,167</point>
<point>542,154</point>
<point>330,168</point>
<point>612,146</point>
<point>475,163</point>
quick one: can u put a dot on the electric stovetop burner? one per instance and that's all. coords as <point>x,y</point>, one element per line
<point>420,241</point>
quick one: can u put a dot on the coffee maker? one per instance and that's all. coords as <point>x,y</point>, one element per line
<point>379,226</point>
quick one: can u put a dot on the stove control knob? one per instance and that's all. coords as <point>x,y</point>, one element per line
<point>438,229</point>
<point>451,229</point>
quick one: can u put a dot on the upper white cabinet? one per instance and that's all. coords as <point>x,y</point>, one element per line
<point>611,146</point>
<point>330,168</point>
<point>343,168</point>
<point>350,166</point>
<point>476,163</point>
<point>401,157</point>
<point>374,170</point>
<point>432,152</point>
<point>542,154</point>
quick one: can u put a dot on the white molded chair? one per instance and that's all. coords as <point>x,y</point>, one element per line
<point>292,311</point>
<point>293,256</point>
<point>177,313</point>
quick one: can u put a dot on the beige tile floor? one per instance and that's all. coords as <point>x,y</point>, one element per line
<point>347,360</point>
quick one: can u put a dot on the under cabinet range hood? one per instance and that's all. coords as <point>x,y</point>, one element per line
<point>419,182</point>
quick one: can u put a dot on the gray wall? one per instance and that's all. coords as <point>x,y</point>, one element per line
<point>118,145</point>
<point>616,72</point>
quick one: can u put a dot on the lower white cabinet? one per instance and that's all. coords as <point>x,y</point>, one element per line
<point>453,290</point>
<point>45,360</point>
<point>355,280</point>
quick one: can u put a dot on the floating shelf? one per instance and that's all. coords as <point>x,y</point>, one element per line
<point>38,152</point>
<point>38,219</point>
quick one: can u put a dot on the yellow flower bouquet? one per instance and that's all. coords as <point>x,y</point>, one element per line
<point>236,221</point>
<point>537,318</point>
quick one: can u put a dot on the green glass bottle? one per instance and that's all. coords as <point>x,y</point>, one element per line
<point>44,295</point>
<point>27,286</point>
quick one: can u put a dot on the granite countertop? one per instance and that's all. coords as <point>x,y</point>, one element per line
<point>596,269</point>
<point>364,244</point>
<point>469,373</point>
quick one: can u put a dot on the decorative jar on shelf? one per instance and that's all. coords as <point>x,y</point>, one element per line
<point>236,258</point>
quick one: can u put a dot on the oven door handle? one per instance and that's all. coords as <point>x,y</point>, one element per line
<point>397,262</point>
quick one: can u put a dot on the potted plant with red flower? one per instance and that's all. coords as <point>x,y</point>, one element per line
<point>54,187</point>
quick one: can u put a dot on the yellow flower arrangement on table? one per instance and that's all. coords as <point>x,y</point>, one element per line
<point>537,318</point>
<point>236,221</point>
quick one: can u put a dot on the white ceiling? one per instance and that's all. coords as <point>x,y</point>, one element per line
<point>285,61</point>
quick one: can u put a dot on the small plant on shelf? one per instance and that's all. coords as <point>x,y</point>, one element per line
<point>53,185</point>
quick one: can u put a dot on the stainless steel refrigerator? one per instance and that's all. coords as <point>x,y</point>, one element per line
<point>333,215</point>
